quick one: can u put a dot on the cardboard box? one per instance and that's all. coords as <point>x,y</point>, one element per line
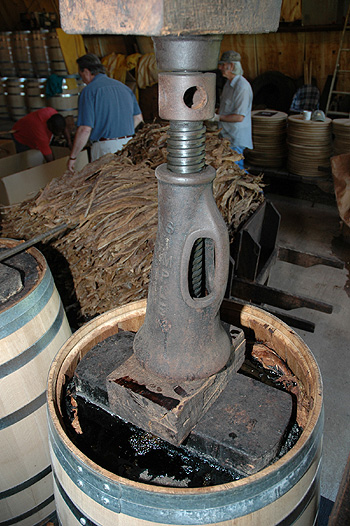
<point>7,147</point>
<point>24,174</point>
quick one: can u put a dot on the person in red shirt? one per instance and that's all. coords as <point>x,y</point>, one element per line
<point>36,130</point>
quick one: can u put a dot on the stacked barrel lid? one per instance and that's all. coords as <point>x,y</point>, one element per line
<point>341,133</point>
<point>269,139</point>
<point>309,147</point>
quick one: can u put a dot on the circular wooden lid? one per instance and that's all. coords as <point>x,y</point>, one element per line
<point>299,120</point>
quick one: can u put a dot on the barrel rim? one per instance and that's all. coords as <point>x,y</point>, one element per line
<point>81,336</point>
<point>41,263</point>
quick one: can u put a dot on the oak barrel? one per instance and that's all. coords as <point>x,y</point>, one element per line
<point>57,62</point>
<point>35,94</point>
<point>4,114</point>
<point>39,53</point>
<point>16,97</point>
<point>66,103</point>
<point>33,327</point>
<point>21,53</point>
<point>286,492</point>
<point>7,64</point>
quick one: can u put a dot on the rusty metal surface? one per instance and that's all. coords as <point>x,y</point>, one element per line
<point>169,17</point>
<point>182,336</point>
<point>187,53</point>
<point>173,104</point>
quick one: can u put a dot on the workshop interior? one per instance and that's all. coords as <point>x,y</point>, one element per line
<point>174,263</point>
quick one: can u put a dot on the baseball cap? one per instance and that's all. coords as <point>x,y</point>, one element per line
<point>230,56</point>
<point>318,115</point>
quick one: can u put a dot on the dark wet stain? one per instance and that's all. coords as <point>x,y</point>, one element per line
<point>180,391</point>
<point>164,401</point>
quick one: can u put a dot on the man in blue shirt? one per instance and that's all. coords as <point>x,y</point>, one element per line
<point>234,116</point>
<point>108,112</point>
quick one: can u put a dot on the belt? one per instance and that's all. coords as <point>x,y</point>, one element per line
<point>114,138</point>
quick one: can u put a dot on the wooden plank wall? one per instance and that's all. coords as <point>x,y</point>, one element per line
<point>286,52</point>
<point>283,51</point>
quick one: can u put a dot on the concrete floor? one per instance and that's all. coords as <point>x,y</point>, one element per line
<point>315,228</point>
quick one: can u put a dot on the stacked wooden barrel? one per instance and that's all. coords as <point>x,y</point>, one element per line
<point>4,114</point>
<point>309,147</point>
<point>269,131</point>
<point>16,97</point>
<point>7,63</point>
<point>341,132</point>
<point>66,103</point>
<point>27,59</point>
<point>35,91</point>
<point>58,64</point>
<point>40,53</point>
<point>22,54</point>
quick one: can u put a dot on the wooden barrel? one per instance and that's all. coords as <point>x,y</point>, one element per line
<point>21,53</point>
<point>57,62</point>
<point>40,53</point>
<point>35,94</point>
<point>4,113</point>
<point>33,327</point>
<point>66,102</point>
<point>269,133</point>
<point>16,97</point>
<point>309,147</point>
<point>341,132</point>
<point>7,64</point>
<point>286,492</point>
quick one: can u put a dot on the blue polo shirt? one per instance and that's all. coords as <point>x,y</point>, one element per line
<point>108,107</point>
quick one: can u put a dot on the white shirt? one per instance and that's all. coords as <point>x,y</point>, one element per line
<point>237,97</point>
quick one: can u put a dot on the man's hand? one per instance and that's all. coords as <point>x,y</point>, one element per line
<point>81,137</point>
<point>216,118</point>
<point>71,164</point>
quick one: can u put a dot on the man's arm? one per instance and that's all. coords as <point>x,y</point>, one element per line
<point>80,139</point>
<point>48,158</point>
<point>233,117</point>
<point>137,120</point>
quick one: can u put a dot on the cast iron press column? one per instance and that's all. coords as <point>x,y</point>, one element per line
<point>182,357</point>
<point>182,337</point>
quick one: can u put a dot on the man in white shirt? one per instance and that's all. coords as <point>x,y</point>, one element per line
<point>234,115</point>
